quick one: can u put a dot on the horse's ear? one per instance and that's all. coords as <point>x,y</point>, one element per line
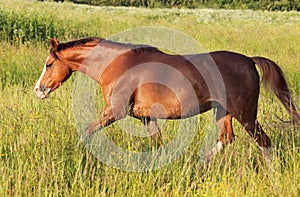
<point>54,44</point>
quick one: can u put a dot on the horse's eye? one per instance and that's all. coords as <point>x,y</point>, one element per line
<point>48,65</point>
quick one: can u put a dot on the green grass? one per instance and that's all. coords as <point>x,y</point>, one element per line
<point>38,138</point>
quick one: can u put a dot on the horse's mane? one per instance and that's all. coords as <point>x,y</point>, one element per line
<point>136,48</point>
<point>76,43</point>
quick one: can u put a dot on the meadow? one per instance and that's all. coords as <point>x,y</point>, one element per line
<point>39,155</point>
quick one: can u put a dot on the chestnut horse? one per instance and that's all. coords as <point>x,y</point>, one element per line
<point>148,84</point>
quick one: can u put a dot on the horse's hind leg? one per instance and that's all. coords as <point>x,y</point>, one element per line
<point>263,141</point>
<point>153,130</point>
<point>251,125</point>
<point>224,123</point>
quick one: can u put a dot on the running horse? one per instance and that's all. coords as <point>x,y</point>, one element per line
<point>143,82</point>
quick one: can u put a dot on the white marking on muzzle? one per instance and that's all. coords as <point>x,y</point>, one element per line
<point>41,94</point>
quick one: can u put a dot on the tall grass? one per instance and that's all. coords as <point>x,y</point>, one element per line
<point>38,152</point>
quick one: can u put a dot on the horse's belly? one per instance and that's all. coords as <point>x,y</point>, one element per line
<point>160,101</point>
<point>169,110</point>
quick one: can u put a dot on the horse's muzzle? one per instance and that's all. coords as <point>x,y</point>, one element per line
<point>42,92</point>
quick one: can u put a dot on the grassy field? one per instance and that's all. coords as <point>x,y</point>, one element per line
<point>38,138</point>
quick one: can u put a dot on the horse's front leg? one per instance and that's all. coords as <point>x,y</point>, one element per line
<point>107,117</point>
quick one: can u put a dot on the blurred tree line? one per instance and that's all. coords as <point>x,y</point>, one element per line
<point>271,5</point>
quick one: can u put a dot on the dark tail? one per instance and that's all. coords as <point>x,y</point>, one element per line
<point>273,78</point>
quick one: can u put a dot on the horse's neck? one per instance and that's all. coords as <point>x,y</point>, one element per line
<point>97,60</point>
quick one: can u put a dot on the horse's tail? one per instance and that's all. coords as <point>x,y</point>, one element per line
<point>273,79</point>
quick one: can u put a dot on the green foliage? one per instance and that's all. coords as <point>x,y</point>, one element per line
<point>280,5</point>
<point>19,27</point>
<point>38,138</point>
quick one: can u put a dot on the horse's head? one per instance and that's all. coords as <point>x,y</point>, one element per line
<point>55,72</point>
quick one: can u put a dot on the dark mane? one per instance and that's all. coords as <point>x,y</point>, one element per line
<point>76,43</point>
<point>136,48</point>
